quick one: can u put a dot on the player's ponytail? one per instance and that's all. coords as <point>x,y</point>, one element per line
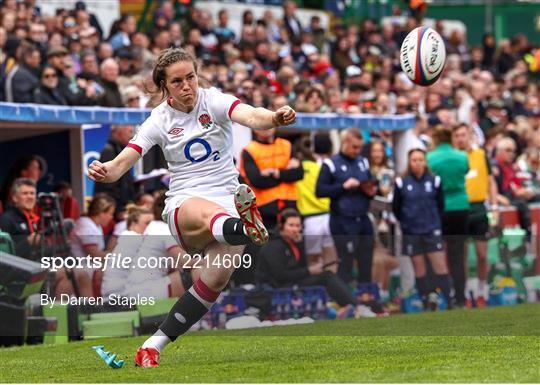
<point>165,59</point>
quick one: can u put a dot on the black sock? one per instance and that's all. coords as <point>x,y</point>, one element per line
<point>183,315</point>
<point>422,287</point>
<point>444,282</point>
<point>233,232</point>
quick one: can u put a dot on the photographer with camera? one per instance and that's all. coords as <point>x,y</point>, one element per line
<point>23,225</point>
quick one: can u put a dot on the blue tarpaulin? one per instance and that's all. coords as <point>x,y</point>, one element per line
<point>39,113</point>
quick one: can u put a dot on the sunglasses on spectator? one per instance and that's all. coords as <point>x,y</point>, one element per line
<point>510,149</point>
<point>69,24</point>
<point>47,76</point>
<point>133,98</point>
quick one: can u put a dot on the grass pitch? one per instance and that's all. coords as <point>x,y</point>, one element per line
<point>490,345</point>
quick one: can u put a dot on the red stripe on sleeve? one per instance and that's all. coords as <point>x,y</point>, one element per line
<point>135,147</point>
<point>233,106</point>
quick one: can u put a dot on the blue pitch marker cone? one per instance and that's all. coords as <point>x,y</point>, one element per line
<point>108,358</point>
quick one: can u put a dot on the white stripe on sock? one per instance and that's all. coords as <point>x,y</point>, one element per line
<point>158,341</point>
<point>206,303</point>
<point>217,228</point>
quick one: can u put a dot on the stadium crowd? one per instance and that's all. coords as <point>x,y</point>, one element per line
<point>489,94</point>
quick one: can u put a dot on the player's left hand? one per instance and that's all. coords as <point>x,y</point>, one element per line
<point>284,116</point>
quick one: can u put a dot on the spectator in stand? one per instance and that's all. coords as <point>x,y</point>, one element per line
<point>122,191</point>
<point>315,211</point>
<point>451,166</point>
<point>37,36</point>
<point>268,167</point>
<point>290,20</point>
<point>75,48</point>
<point>83,17</point>
<point>104,51</point>
<point>131,96</point>
<point>481,190</point>
<point>68,89</point>
<point>345,178</point>
<point>89,62</point>
<point>222,30</point>
<point>22,223</point>
<point>48,92</point>
<point>383,261</point>
<point>283,263</point>
<point>111,96</point>
<point>89,91</point>
<point>88,239</point>
<point>24,77</point>
<point>27,166</point>
<point>380,166</point>
<point>529,171</point>
<point>127,25</point>
<point>509,186</point>
<point>418,204</point>
<point>176,37</point>
<point>314,101</point>
<point>68,204</point>
<point>145,201</point>
<point>89,38</point>
<point>341,57</point>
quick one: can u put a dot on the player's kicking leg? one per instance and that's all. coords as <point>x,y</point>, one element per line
<point>199,224</point>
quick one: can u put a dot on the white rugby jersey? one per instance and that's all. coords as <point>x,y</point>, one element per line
<point>198,146</point>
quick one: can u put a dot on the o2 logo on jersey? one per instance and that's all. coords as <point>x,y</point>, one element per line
<point>197,142</point>
<point>206,121</point>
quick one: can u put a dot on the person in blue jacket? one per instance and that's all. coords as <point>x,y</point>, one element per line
<point>418,204</point>
<point>345,178</point>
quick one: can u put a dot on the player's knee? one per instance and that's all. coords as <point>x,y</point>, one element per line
<point>219,281</point>
<point>208,213</point>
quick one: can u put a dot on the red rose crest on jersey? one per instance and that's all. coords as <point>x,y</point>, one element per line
<point>205,121</point>
<point>176,132</point>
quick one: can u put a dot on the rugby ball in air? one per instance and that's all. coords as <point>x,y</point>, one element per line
<point>423,55</point>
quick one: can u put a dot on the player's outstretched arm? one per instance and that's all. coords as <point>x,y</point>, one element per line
<point>111,171</point>
<point>260,118</point>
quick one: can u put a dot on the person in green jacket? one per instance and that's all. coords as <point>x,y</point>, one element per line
<point>451,166</point>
